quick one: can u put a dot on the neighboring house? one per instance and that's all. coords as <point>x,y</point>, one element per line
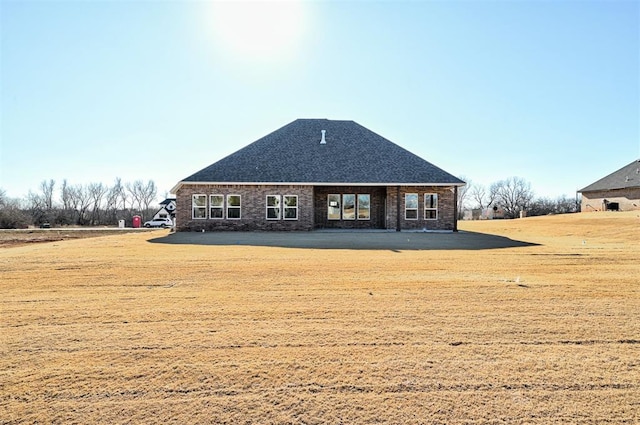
<point>318,173</point>
<point>167,209</point>
<point>484,213</point>
<point>619,190</point>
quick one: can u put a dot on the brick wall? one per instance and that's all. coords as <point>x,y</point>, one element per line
<point>628,199</point>
<point>253,212</point>
<point>312,208</point>
<point>446,208</point>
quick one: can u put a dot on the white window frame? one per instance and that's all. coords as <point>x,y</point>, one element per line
<point>285,207</point>
<point>406,207</point>
<point>211,207</point>
<point>428,209</point>
<point>230,207</point>
<point>278,208</point>
<point>194,207</point>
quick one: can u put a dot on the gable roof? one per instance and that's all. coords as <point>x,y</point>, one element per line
<point>352,154</point>
<point>626,177</point>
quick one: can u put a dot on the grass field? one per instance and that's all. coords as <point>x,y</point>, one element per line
<point>116,330</point>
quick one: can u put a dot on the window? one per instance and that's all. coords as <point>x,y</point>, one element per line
<point>273,207</point>
<point>411,206</point>
<point>430,206</point>
<point>333,207</point>
<point>216,206</point>
<point>364,207</point>
<point>348,207</point>
<point>290,207</point>
<point>233,207</point>
<point>199,206</point>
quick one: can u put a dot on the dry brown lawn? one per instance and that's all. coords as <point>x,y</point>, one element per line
<point>118,330</point>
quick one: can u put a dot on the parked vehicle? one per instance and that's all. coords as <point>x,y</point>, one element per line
<point>159,222</point>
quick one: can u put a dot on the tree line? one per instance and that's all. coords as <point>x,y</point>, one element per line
<point>92,204</point>
<point>511,196</point>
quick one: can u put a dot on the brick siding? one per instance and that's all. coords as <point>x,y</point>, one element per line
<point>446,208</point>
<point>253,210</point>
<point>628,199</point>
<point>312,208</point>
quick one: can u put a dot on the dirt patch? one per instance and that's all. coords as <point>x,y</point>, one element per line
<point>12,238</point>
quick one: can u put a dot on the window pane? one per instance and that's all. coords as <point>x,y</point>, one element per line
<point>273,200</point>
<point>291,200</point>
<point>431,215</point>
<point>348,207</point>
<point>411,200</point>
<point>411,214</point>
<point>364,207</point>
<point>273,213</point>
<point>217,200</point>
<point>291,213</point>
<point>431,200</point>
<point>233,213</point>
<point>199,201</point>
<point>216,213</point>
<point>333,209</point>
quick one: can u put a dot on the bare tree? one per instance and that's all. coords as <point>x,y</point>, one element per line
<point>148,195</point>
<point>96,192</point>
<point>46,187</point>
<point>463,192</point>
<point>560,205</point>
<point>65,216</point>
<point>134,191</point>
<point>116,200</point>
<point>80,199</point>
<point>483,198</point>
<point>11,215</point>
<point>36,207</point>
<point>478,193</point>
<point>513,194</point>
<point>142,194</point>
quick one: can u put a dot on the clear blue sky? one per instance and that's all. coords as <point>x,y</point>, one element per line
<point>93,90</point>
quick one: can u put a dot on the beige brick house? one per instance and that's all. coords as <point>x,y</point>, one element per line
<point>318,173</point>
<point>619,190</point>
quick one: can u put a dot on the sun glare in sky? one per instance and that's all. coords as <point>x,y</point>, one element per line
<point>258,30</point>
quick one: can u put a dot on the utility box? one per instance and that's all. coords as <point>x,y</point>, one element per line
<point>137,221</point>
<point>121,224</point>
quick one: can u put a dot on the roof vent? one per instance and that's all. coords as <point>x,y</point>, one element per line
<point>323,141</point>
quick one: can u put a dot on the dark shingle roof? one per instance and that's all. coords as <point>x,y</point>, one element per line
<point>352,154</point>
<point>626,177</point>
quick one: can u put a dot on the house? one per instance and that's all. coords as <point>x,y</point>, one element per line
<point>484,213</point>
<point>167,209</point>
<point>319,173</point>
<point>619,190</point>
